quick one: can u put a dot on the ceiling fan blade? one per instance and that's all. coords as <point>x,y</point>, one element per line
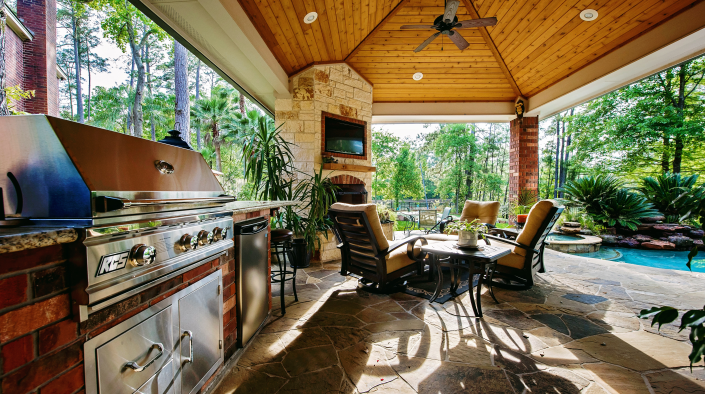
<point>476,23</point>
<point>458,40</point>
<point>408,27</point>
<point>425,43</point>
<point>451,9</point>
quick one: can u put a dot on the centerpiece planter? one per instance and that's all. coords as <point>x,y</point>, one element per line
<point>521,218</point>
<point>468,232</point>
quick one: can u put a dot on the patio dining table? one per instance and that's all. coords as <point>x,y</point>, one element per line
<point>481,261</point>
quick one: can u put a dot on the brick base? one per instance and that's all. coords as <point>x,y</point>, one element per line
<point>523,156</point>
<point>40,342</point>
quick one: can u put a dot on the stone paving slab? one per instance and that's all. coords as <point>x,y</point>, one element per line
<point>575,331</point>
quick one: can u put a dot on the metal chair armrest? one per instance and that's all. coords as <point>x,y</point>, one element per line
<point>507,241</point>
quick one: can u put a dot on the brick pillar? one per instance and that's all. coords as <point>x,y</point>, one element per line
<point>523,156</point>
<point>40,56</point>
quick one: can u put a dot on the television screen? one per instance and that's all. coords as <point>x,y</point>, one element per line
<point>344,137</point>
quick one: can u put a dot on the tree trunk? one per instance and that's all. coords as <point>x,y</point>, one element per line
<point>216,146</point>
<point>137,114</point>
<point>4,110</point>
<point>181,111</point>
<point>88,64</point>
<point>77,62</point>
<point>198,80</point>
<point>678,152</point>
<point>558,157</point>
<point>666,154</point>
<point>242,105</point>
<point>129,107</point>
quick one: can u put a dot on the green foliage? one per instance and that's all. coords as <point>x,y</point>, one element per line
<point>625,208</point>
<point>385,214</point>
<point>406,179</point>
<point>318,193</point>
<point>603,198</point>
<point>526,199</point>
<point>693,319</point>
<point>268,161</point>
<point>475,227</point>
<point>384,149</point>
<point>15,93</point>
<point>673,195</point>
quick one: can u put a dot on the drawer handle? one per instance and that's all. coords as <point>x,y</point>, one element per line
<point>189,334</point>
<point>136,367</point>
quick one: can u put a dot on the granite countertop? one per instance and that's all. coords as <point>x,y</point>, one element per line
<point>29,237</point>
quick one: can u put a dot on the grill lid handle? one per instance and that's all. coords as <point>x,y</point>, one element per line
<point>108,204</point>
<point>139,368</point>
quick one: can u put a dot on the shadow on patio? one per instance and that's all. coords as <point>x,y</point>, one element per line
<point>571,333</point>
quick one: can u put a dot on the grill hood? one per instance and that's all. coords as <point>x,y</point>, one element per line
<point>77,175</point>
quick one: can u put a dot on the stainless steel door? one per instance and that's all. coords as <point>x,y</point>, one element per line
<point>252,277</point>
<point>161,383</point>
<point>128,361</point>
<point>200,331</point>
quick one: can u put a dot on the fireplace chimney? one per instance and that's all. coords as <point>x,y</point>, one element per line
<point>40,70</point>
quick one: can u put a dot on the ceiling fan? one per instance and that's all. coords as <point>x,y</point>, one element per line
<point>447,22</point>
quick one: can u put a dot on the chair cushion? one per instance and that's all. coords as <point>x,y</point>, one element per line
<point>399,259</point>
<point>372,216</point>
<point>537,215</point>
<point>512,260</point>
<point>486,211</point>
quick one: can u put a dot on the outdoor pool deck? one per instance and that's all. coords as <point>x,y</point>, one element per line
<point>576,331</point>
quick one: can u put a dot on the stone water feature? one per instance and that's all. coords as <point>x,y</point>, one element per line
<point>657,236</point>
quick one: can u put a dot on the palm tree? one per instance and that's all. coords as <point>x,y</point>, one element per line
<point>217,114</point>
<point>110,108</point>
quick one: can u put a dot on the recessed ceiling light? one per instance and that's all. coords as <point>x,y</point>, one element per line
<point>310,17</point>
<point>417,76</point>
<point>588,15</point>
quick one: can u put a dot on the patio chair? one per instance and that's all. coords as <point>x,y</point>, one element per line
<point>516,271</point>
<point>441,224</point>
<point>428,218</point>
<point>486,211</point>
<point>367,253</point>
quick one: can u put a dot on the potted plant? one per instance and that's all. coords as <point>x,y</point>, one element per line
<point>467,231</point>
<point>387,219</point>
<point>525,200</point>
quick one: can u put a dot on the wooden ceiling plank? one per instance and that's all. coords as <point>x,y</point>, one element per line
<point>567,23</point>
<point>372,16</point>
<point>428,11</point>
<point>260,23</point>
<point>376,30</point>
<point>342,25</point>
<point>407,47</point>
<point>295,56</point>
<point>433,60</point>
<point>639,23</point>
<point>349,23</point>
<point>318,31</point>
<point>327,37</point>
<point>288,12</point>
<point>577,37</point>
<point>333,26</point>
<point>490,7</point>
<point>365,17</point>
<point>519,23</point>
<point>361,75</point>
<point>513,41</point>
<point>493,48</point>
<point>473,52</point>
<point>501,15</point>
<point>467,33</point>
<point>308,30</point>
<point>294,43</point>
<point>357,18</point>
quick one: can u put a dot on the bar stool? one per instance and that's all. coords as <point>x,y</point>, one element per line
<point>282,252</point>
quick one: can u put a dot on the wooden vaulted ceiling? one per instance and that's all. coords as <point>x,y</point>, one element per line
<point>535,43</point>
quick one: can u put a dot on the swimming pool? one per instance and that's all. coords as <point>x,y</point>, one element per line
<point>669,259</point>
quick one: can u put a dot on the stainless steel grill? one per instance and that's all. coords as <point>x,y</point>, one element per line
<point>146,212</point>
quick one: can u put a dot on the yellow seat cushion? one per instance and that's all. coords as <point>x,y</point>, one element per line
<point>372,216</point>
<point>537,215</point>
<point>486,211</point>
<point>512,260</point>
<point>398,259</point>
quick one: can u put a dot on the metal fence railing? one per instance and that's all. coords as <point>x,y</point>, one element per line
<point>413,205</point>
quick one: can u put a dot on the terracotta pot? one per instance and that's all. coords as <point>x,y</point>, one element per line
<point>522,218</point>
<point>466,238</point>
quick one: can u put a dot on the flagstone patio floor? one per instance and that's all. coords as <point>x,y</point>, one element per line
<point>576,331</point>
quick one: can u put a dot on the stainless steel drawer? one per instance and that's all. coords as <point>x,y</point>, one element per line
<point>128,361</point>
<point>161,383</point>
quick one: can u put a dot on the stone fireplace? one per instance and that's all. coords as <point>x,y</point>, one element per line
<point>334,89</point>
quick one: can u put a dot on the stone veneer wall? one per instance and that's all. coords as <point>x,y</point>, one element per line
<point>332,88</point>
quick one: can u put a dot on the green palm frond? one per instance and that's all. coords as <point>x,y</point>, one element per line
<point>625,209</point>
<point>672,194</point>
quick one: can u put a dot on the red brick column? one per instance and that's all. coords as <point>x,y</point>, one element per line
<point>40,56</point>
<point>523,156</point>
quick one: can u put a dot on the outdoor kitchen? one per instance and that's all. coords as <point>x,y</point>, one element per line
<point>123,260</point>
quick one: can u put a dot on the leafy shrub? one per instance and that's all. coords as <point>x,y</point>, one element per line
<point>590,192</point>
<point>386,215</point>
<point>673,195</point>
<point>625,208</point>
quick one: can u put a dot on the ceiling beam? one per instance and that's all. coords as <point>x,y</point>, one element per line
<point>493,48</point>
<point>379,27</point>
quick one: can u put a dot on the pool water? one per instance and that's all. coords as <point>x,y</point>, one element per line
<point>562,237</point>
<point>669,259</point>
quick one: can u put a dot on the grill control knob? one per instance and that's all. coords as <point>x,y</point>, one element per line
<point>220,234</point>
<point>205,237</point>
<point>188,242</point>
<point>142,254</point>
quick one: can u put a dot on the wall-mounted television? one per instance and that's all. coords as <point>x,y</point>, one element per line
<point>344,137</point>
